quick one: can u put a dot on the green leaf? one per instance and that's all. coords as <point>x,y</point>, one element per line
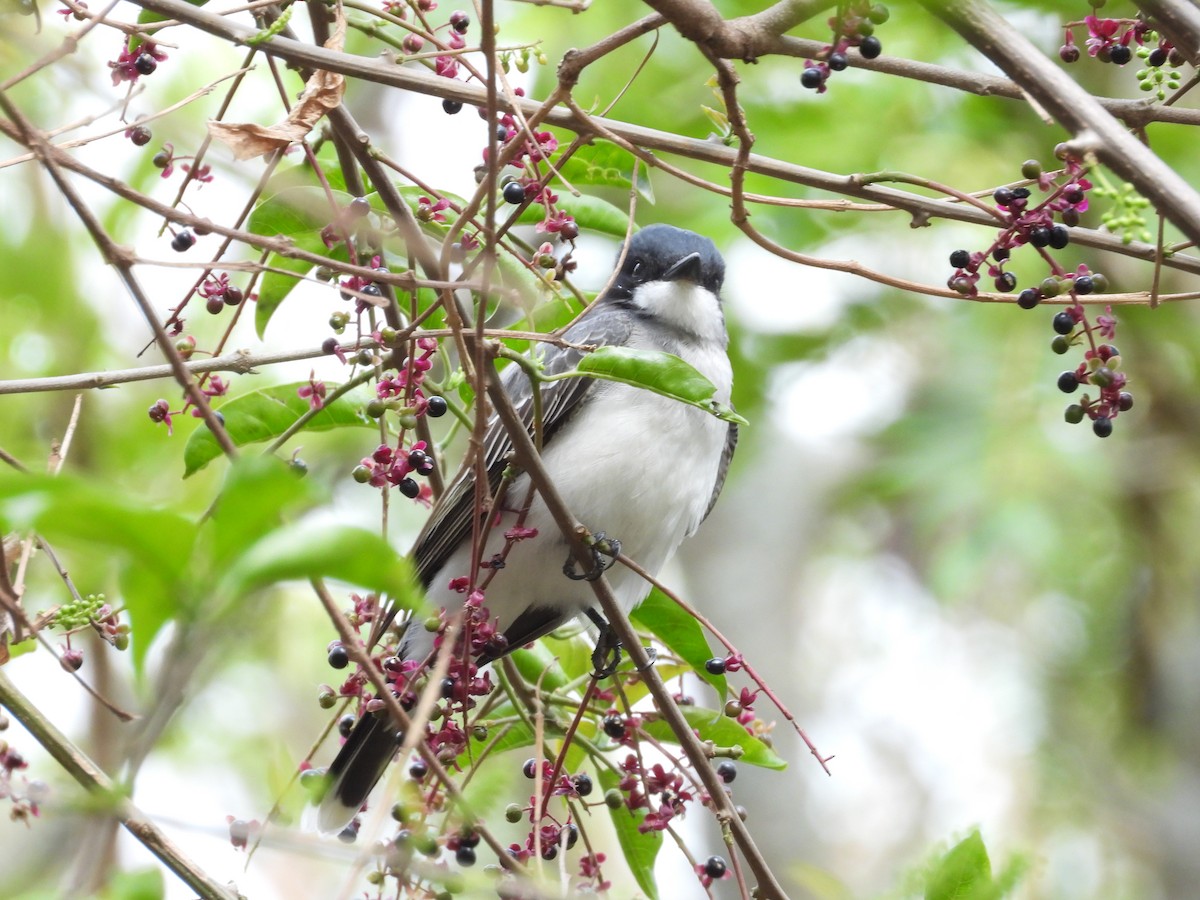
<point>537,664</point>
<point>663,373</point>
<point>723,731</point>
<point>299,213</point>
<point>265,414</point>
<point>604,163</point>
<point>143,884</point>
<point>679,633</point>
<point>591,213</point>
<point>256,493</point>
<point>309,549</point>
<point>639,849</point>
<point>964,873</point>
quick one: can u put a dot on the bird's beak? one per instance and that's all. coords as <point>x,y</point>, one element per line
<point>688,267</point>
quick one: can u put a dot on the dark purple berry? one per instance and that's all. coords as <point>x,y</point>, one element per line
<point>182,242</point>
<point>140,135</point>
<point>436,407</point>
<point>1073,193</point>
<point>569,230</point>
<point>1064,322</point>
<point>465,856</point>
<point>869,48</point>
<point>1021,193</point>
<point>1029,298</point>
<point>1040,237</point>
<point>530,768</point>
<point>409,488</point>
<point>233,296</point>
<point>1157,57</point>
<point>1059,237</point>
<point>1000,254</point>
<point>1004,196</point>
<point>460,21</point>
<point>1125,401</point>
<point>714,867</point>
<point>727,771</point>
<point>359,207</point>
<point>960,259</point>
<point>549,852</point>
<point>1102,426</point>
<point>448,687</point>
<point>1070,217</point>
<point>451,107</point>
<point>346,725</point>
<point>1084,284</point>
<point>214,305</point>
<point>145,64</point>
<point>338,657</point>
<point>572,836</point>
<point>837,61</point>
<point>811,78</point>
<point>614,727</point>
<point>1068,382</point>
<point>1120,55</point>
<point>514,193</point>
<point>1068,53</point>
<point>418,770</point>
<point>583,784</point>
<point>1005,282</point>
<point>715,666</point>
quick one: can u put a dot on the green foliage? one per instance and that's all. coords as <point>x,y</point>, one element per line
<point>267,413</point>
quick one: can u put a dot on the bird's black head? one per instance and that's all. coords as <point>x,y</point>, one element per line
<point>667,253</point>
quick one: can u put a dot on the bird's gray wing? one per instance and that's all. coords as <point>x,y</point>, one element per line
<point>731,439</point>
<point>452,518</point>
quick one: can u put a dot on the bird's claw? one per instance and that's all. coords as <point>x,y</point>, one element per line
<point>605,551</point>
<point>607,655</point>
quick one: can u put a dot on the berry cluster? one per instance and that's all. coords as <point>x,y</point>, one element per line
<point>1066,198</point>
<point>219,293</point>
<point>138,57</point>
<point>852,26</point>
<point>1113,41</point>
<point>90,611</point>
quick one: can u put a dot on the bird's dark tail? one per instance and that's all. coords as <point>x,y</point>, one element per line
<point>356,769</point>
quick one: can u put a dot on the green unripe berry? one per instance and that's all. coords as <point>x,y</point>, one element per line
<point>1031,168</point>
<point>613,799</point>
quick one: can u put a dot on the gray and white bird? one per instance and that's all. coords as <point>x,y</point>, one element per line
<point>642,468</point>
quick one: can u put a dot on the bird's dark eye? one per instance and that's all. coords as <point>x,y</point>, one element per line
<point>636,269</point>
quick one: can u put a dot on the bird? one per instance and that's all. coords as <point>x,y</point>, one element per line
<point>630,463</point>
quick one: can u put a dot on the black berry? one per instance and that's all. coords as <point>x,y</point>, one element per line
<point>869,48</point>
<point>409,488</point>
<point>1119,54</point>
<point>214,305</point>
<point>727,770</point>
<point>418,770</point>
<point>140,135</point>
<point>583,784</point>
<point>1029,298</point>
<point>465,856</point>
<point>1000,254</point>
<point>530,768</point>
<point>714,867</point>
<point>145,64</point>
<point>233,296</point>
<point>451,107</point>
<point>1067,382</point>
<point>1157,57</point>
<point>1006,281</point>
<point>1084,284</point>
<point>614,727</point>
<point>338,657</point>
<point>837,61</point>
<point>514,193</point>
<point>1064,323</point>
<point>1004,196</point>
<point>1059,237</point>
<point>960,259</point>
<point>1040,237</point>
<point>460,21</point>
<point>346,725</point>
<point>436,407</point>
<point>811,78</point>
<point>182,242</point>
<point>715,666</point>
<point>1102,426</point>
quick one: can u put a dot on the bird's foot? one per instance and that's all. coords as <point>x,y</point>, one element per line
<point>607,655</point>
<point>605,551</point>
